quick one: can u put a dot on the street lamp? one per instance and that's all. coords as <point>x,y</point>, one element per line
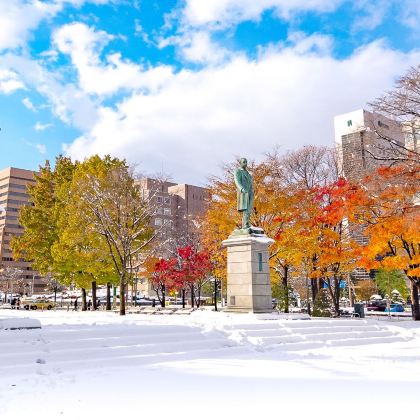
<point>136,279</point>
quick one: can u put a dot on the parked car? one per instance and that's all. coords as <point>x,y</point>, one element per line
<point>395,307</point>
<point>146,301</point>
<point>38,304</point>
<point>377,305</point>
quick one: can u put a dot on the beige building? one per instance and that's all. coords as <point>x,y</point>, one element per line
<point>176,210</point>
<point>176,205</point>
<point>13,195</point>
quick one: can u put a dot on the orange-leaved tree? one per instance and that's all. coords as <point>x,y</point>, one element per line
<point>391,212</point>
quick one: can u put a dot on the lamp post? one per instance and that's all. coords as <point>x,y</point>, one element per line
<point>136,279</point>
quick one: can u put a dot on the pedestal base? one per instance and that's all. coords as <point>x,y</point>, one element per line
<point>248,276</point>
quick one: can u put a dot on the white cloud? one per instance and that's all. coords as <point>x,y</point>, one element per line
<point>141,33</point>
<point>10,82</point>
<point>368,14</point>
<point>199,48</point>
<point>315,43</point>
<point>67,101</point>
<point>228,12</point>
<point>287,96</point>
<point>41,127</point>
<point>19,17</point>
<point>83,44</point>
<point>410,14</point>
<point>42,148</point>
<point>28,104</point>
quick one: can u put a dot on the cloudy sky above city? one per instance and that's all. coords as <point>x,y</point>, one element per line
<point>181,86</point>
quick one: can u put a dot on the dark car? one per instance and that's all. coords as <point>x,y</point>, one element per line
<point>377,305</point>
<point>145,301</point>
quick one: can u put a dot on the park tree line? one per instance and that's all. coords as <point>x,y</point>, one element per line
<point>325,226</point>
<point>88,224</point>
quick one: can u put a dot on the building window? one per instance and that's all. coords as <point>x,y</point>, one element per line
<point>166,211</point>
<point>159,199</point>
<point>381,124</point>
<point>167,200</point>
<point>158,222</point>
<point>159,210</point>
<point>349,123</point>
<point>18,186</point>
<point>260,262</point>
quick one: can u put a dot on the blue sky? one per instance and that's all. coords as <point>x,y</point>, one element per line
<point>184,85</point>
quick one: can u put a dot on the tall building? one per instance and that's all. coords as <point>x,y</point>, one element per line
<point>13,195</point>
<point>177,207</point>
<point>356,139</point>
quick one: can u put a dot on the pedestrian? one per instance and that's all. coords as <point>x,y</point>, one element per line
<point>89,305</point>
<point>75,304</point>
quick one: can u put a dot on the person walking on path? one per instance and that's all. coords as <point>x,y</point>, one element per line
<point>75,304</point>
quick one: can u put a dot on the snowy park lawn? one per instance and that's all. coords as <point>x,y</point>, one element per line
<point>207,365</point>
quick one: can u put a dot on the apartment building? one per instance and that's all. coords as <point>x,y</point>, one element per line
<point>177,207</point>
<point>13,196</point>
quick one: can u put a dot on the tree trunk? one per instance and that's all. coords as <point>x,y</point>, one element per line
<point>108,296</point>
<point>315,288</point>
<point>286,289</point>
<point>192,296</point>
<point>94,306</point>
<point>122,294</point>
<point>163,303</point>
<point>415,306</point>
<point>84,307</point>
<point>183,298</point>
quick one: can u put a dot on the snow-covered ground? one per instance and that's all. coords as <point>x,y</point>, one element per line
<point>207,365</point>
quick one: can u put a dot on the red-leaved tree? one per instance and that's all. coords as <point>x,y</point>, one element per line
<point>190,270</point>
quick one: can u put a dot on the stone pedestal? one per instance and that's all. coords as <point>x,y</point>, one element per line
<point>248,276</point>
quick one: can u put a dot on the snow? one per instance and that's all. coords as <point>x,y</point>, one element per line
<point>19,323</point>
<point>206,365</point>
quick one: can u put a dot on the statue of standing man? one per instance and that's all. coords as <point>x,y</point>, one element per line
<point>243,181</point>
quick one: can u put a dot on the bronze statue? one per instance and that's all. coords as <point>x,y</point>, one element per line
<point>243,181</point>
